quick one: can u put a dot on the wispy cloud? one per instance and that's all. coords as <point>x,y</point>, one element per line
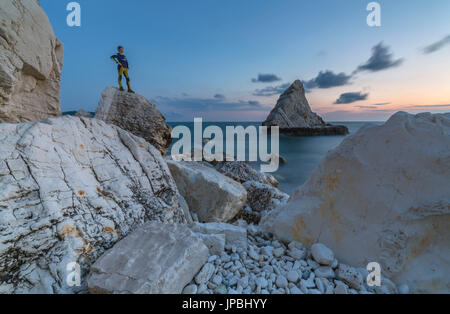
<point>198,105</point>
<point>348,98</point>
<point>382,104</point>
<point>437,45</point>
<point>266,78</point>
<point>381,59</point>
<point>271,90</point>
<point>366,107</point>
<point>431,106</point>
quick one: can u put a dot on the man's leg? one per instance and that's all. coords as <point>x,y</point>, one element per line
<point>120,78</point>
<point>127,77</point>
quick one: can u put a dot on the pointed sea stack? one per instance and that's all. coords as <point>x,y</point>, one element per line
<point>294,116</point>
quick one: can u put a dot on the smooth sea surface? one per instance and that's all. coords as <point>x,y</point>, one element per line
<point>303,154</point>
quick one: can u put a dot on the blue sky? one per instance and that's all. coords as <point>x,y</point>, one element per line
<point>203,57</point>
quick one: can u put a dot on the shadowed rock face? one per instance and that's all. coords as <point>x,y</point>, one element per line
<point>31,60</point>
<point>136,114</point>
<point>293,111</point>
<point>382,196</point>
<point>70,188</point>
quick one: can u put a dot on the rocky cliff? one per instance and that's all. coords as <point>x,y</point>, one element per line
<point>30,63</point>
<point>293,115</point>
<point>70,188</point>
<point>136,114</point>
<point>382,196</point>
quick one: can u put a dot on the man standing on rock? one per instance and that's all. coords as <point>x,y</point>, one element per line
<point>122,66</point>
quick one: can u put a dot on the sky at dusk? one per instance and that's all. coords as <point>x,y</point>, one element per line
<point>230,60</point>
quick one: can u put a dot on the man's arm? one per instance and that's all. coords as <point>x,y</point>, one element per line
<point>115,59</point>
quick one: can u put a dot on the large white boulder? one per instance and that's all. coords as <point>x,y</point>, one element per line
<point>155,259</point>
<point>136,114</point>
<point>70,188</point>
<point>382,196</point>
<point>31,60</point>
<point>209,194</point>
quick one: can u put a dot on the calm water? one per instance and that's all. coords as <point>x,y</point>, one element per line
<point>303,154</point>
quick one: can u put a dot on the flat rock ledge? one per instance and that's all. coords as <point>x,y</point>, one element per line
<point>156,259</point>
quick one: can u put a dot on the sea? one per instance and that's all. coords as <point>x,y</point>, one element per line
<point>302,154</point>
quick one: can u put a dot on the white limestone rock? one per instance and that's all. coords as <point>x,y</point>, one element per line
<point>324,272</point>
<point>214,242</point>
<point>350,275</point>
<point>155,259</point>
<point>135,114</point>
<point>70,188</point>
<point>242,172</point>
<point>381,196</point>
<point>31,60</point>
<point>205,274</point>
<point>322,254</point>
<point>191,289</point>
<point>211,195</point>
<point>264,198</point>
<point>235,236</point>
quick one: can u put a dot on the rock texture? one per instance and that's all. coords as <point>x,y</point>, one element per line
<point>267,266</point>
<point>83,114</point>
<point>234,235</point>
<point>382,196</point>
<point>31,60</point>
<point>155,259</point>
<point>242,171</point>
<point>264,198</point>
<point>70,188</point>
<point>293,115</point>
<point>136,114</point>
<point>212,196</point>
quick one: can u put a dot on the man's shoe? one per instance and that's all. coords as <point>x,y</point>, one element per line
<point>121,89</point>
<point>131,91</point>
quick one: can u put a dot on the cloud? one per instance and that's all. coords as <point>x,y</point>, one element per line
<point>254,103</point>
<point>366,107</point>
<point>219,96</point>
<point>266,78</point>
<point>382,104</point>
<point>199,105</point>
<point>381,59</point>
<point>271,90</point>
<point>348,98</point>
<point>365,115</point>
<point>437,45</point>
<point>328,79</point>
<point>430,106</point>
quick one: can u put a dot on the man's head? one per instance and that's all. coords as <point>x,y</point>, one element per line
<point>120,49</point>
